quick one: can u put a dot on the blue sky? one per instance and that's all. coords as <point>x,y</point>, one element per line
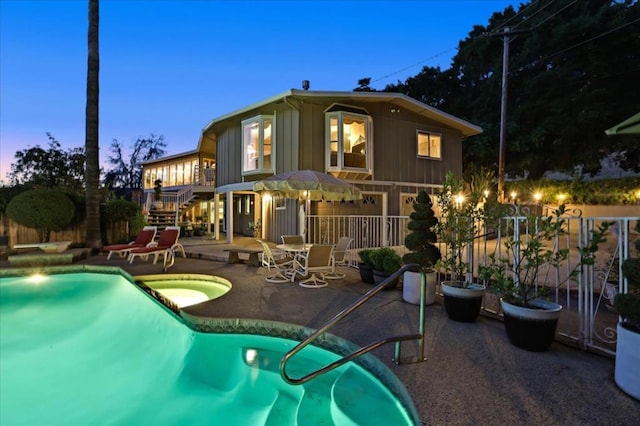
<point>169,67</point>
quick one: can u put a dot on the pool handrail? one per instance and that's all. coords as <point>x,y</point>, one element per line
<point>420,336</point>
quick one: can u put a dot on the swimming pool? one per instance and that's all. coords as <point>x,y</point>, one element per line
<point>93,348</point>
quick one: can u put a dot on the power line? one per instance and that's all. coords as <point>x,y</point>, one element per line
<point>518,13</point>
<point>415,64</point>
<point>537,61</point>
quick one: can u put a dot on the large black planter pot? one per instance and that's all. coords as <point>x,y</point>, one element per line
<point>379,276</point>
<point>462,304</point>
<point>532,329</point>
<point>366,273</point>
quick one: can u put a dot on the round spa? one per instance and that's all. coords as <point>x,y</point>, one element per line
<point>89,346</point>
<point>186,289</point>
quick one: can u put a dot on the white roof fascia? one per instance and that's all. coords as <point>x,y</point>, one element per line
<point>170,157</point>
<point>247,108</point>
<point>466,128</point>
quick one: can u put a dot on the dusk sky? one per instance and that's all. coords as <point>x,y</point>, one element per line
<point>169,67</point>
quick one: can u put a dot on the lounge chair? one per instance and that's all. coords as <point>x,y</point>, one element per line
<point>341,257</point>
<point>143,239</point>
<point>166,246</point>
<point>281,265</point>
<point>316,262</point>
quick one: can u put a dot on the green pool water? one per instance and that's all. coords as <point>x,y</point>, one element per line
<point>91,348</point>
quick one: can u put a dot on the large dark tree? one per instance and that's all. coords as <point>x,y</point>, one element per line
<point>93,237</point>
<point>127,171</point>
<point>52,167</point>
<point>573,70</point>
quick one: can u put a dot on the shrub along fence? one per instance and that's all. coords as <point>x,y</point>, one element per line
<point>19,234</point>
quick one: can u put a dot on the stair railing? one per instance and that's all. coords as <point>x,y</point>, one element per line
<point>420,335</point>
<point>182,197</point>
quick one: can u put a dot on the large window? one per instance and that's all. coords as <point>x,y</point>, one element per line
<point>349,140</point>
<point>257,145</point>
<point>429,144</point>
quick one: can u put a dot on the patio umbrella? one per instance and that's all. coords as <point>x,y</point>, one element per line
<point>309,185</point>
<point>630,126</point>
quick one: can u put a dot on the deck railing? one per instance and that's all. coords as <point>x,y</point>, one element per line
<point>588,320</point>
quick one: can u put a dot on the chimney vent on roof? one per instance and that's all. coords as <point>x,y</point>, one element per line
<point>305,84</point>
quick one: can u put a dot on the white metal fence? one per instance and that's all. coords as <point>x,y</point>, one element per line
<point>588,320</point>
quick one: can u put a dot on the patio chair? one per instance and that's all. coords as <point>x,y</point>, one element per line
<point>316,262</point>
<point>281,265</point>
<point>143,239</point>
<point>341,257</point>
<point>292,239</point>
<point>166,246</point>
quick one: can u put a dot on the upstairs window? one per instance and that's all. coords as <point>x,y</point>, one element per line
<point>257,145</point>
<point>429,145</point>
<point>349,139</point>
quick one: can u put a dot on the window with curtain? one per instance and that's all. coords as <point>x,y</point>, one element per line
<point>429,144</point>
<point>348,139</point>
<point>257,145</point>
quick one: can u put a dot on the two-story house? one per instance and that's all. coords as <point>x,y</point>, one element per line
<point>388,144</point>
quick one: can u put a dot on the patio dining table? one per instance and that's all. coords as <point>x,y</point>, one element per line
<point>293,250</point>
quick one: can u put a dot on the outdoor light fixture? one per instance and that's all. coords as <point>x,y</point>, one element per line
<point>561,197</point>
<point>537,196</point>
<point>459,199</point>
<point>486,193</point>
<point>514,194</point>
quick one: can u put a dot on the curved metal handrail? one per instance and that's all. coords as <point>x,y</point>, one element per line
<point>345,312</point>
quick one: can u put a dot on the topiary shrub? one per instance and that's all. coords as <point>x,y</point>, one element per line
<point>44,209</point>
<point>422,237</point>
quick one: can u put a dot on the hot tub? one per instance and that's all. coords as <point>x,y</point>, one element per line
<point>186,289</point>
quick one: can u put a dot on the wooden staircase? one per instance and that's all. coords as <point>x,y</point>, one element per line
<point>175,206</point>
<point>161,218</point>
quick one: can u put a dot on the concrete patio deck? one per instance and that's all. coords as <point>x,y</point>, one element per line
<point>472,374</point>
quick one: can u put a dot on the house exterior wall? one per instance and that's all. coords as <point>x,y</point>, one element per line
<point>300,143</point>
<point>394,143</point>
<point>229,144</point>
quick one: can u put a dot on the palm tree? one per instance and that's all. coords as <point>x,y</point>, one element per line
<point>92,171</point>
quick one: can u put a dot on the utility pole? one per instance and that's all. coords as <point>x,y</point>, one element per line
<point>503,114</point>
<point>503,106</point>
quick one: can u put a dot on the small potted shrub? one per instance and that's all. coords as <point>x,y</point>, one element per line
<point>157,194</point>
<point>385,262</point>
<point>627,305</point>
<point>423,252</point>
<point>366,266</point>
<point>457,229</point>
<point>516,275</point>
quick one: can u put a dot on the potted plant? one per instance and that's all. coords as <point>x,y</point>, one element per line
<point>461,217</point>
<point>385,262</point>
<point>157,195</point>
<point>366,266</point>
<point>627,305</point>
<point>517,273</point>
<point>423,252</point>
